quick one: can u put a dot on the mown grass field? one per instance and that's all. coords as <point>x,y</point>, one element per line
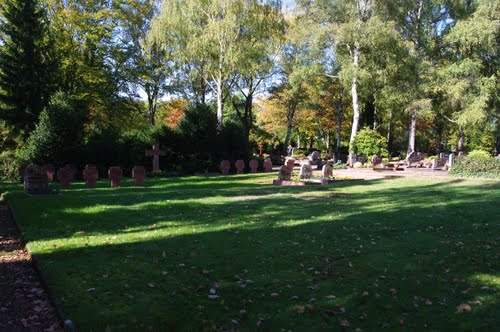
<point>234,252</point>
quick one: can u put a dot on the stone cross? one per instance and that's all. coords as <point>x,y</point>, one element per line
<point>115,174</point>
<point>240,166</point>
<point>139,173</point>
<point>254,165</point>
<point>90,175</point>
<point>155,153</point>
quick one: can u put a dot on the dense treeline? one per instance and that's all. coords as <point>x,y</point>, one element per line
<point>100,81</point>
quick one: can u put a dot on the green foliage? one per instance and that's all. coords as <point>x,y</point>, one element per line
<point>369,143</point>
<point>10,164</point>
<point>26,63</point>
<point>477,164</point>
<point>57,138</point>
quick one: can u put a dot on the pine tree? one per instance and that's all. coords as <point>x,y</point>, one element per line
<point>25,64</point>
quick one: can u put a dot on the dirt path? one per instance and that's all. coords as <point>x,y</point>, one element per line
<point>24,303</point>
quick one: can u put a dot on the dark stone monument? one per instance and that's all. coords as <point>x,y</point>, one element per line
<point>225,166</point>
<point>115,174</point>
<point>268,165</point>
<point>376,160</point>
<point>139,174</point>
<point>35,181</point>
<point>254,165</point>
<point>90,175</point>
<point>285,173</point>
<point>65,175</point>
<point>240,166</point>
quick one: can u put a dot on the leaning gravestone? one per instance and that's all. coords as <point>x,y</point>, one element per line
<point>115,174</point>
<point>268,165</point>
<point>305,172</point>
<point>49,171</point>
<point>327,171</point>
<point>254,165</point>
<point>65,176</point>
<point>240,166</point>
<point>90,175</point>
<point>139,174</point>
<point>35,181</point>
<point>225,166</point>
<point>285,173</point>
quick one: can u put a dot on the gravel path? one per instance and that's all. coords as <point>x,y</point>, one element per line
<point>24,303</point>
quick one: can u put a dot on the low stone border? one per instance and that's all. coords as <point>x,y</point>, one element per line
<point>322,182</point>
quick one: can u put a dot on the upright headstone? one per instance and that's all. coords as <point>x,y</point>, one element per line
<point>451,160</point>
<point>240,166</point>
<point>115,174</point>
<point>225,166</point>
<point>254,165</point>
<point>156,152</point>
<point>139,174</point>
<point>376,160</point>
<point>35,180</point>
<point>90,175</point>
<point>65,175</point>
<point>72,171</point>
<point>290,163</point>
<point>49,171</point>
<point>327,171</point>
<point>315,157</point>
<point>268,165</point>
<point>285,173</point>
<point>305,172</point>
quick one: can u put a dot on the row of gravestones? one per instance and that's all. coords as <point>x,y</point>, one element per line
<point>239,165</point>
<point>36,178</point>
<point>306,171</point>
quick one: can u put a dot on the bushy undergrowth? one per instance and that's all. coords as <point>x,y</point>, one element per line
<point>477,164</point>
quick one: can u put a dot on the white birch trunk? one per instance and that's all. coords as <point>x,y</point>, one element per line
<point>355,104</point>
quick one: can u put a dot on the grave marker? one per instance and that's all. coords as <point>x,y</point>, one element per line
<point>49,171</point>
<point>90,175</point>
<point>268,165</point>
<point>115,174</point>
<point>240,166</point>
<point>35,181</point>
<point>156,152</point>
<point>254,165</point>
<point>65,175</point>
<point>225,166</point>
<point>327,171</point>
<point>285,173</point>
<point>305,172</point>
<point>139,174</point>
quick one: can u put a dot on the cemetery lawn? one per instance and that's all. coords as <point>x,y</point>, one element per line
<point>197,253</point>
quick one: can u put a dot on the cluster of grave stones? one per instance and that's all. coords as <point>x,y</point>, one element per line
<point>305,172</point>
<point>239,165</point>
<point>37,179</point>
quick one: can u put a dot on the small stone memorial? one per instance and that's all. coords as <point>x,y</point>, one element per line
<point>305,172</point>
<point>290,163</point>
<point>315,157</point>
<point>268,165</point>
<point>254,165</point>
<point>139,174</point>
<point>225,166</point>
<point>155,152</point>
<point>327,171</point>
<point>240,166</point>
<point>90,175</point>
<point>376,160</point>
<point>35,181</point>
<point>285,173</point>
<point>65,175</point>
<point>49,171</point>
<point>115,174</point>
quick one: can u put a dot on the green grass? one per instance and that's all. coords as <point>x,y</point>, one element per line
<point>395,254</point>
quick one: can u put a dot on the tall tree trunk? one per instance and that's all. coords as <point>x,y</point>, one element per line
<point>498,139</point>
<point>355,105</point>
<point>389,133</point>
<point>340,115</point>
<point>413,131</point>
<point>289,127</point>
<point>461,141</point>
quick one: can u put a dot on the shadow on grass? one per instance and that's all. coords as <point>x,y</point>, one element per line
<point>418,251</point>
